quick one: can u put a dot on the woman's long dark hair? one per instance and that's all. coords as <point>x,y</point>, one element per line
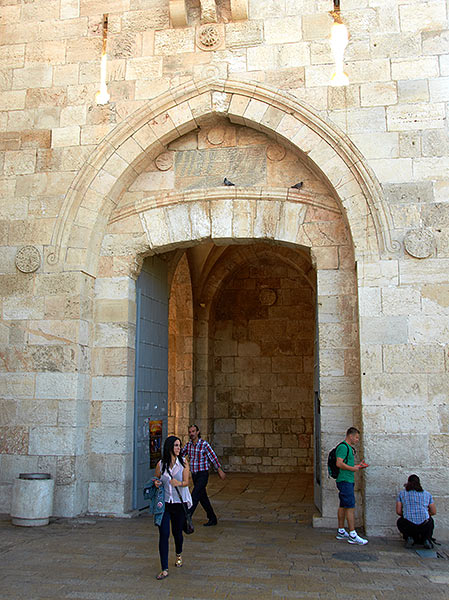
<point>167,453</point>
<point>413,483</point>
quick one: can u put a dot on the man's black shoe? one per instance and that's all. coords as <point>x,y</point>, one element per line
<point>210,523</point>
<point>428,544</point>
<point>410,542</point>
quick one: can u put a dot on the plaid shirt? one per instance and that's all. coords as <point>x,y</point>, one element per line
<point>415,505</point>
<point>200,456</point>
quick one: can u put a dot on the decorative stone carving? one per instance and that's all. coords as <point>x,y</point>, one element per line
<point>178,13</point>
<point>164,161</point>
<point>28,259</point>
<point>209,37</point>
<point>208,11</point>
<point>276,152</point>
<point>267,297</point>
<point>210,71</point>
<point>239,9</point>
<point>419,243</point>
<point>216,136</point>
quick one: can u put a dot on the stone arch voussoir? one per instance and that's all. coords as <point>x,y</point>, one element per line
<point>114,164</point>
<point>226,216</point>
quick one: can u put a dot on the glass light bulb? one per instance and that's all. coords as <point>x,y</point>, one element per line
<point>339,41</point>
<point>103,97</point>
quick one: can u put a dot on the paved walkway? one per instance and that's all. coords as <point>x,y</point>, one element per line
<point>269,551</point>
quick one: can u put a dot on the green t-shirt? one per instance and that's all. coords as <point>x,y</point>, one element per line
<point>342,450</point>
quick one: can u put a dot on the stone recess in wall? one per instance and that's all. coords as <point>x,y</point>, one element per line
<point>419,243</point>
<point>239,9</point>
<point>208,11</point>
<point>28,259</point>
<point>178,13</point>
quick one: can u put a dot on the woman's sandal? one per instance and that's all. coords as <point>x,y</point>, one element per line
<point>178,562</point>
<point>162,574</point>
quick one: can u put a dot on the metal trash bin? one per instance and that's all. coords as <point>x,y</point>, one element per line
<point>32,499</point>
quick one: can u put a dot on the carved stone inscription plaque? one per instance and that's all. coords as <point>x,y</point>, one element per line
<point>208,168</point>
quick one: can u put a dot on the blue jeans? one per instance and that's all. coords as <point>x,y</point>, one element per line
<point>174,514</point>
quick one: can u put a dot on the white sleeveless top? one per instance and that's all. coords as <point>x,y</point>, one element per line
<point>171,495</point>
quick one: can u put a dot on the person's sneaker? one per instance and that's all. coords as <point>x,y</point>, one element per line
<point>410,542</point>
<point>356,539</point>
<point>342,535</point>
<point>428,544</point>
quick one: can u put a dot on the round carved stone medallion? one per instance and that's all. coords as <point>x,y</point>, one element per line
<point>164,161</point>
<point>209,37</point>
<point>419,243</point>
<point>28,259</point>
<point>216,135</point>
<point>276,152</point>
<point>267,297</point>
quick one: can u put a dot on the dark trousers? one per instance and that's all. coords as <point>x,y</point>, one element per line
<point>419,533</point>
<point>174,514</point>
<point>199,494</point>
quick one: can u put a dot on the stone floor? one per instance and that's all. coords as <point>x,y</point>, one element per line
<point>263,547</point>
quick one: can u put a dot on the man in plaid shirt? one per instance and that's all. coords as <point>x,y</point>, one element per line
<point>201,456</point>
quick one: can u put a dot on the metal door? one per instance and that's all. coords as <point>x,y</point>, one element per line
<point>317,417</point>
<point>151,387</point>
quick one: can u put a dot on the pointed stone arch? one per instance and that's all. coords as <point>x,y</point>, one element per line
<point>118,159</point>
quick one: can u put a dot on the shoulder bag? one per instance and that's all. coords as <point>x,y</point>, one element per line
<point>188,527</point>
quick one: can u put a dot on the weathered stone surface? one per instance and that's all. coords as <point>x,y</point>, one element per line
<point>59,147</point>
<point>203,168</point>
<point>14,440</point>
<point>409,192</point>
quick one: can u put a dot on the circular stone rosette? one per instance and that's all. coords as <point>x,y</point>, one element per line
<point>216,136</point>
<point>267,297</point>
<point>28,259</point>
<point>209,37</point>
<point>164,161</point>
<point>419,243</point>
<point>276,152</point>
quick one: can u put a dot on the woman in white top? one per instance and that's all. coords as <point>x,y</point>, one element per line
<point>173,473</point>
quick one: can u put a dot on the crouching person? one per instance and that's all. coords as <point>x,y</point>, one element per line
<point>415,507</point>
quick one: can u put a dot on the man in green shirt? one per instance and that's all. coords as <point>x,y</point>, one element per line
<point>345,484</point>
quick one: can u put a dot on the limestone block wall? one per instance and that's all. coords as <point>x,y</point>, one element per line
<point>180,350</point>
<point>263,370</point>
<point>404,334</point>
<point>394,112</point>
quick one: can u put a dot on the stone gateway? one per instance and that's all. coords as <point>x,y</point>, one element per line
<point>136,288</point>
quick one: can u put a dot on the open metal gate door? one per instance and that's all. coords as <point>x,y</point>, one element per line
<point>151,387</point>
<point>317,489</point>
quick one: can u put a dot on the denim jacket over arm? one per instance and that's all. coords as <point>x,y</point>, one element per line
<point>156,496</point>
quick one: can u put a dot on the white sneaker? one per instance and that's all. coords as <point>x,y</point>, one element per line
<point>356,539</point>
<point>342,535</point>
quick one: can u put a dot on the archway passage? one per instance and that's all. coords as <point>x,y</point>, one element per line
<point>242,317</point>
<point>262,330</point>
<point>209,236</point>
<point>252,327</point>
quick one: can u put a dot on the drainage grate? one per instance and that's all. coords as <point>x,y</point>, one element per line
<point>355,557</point>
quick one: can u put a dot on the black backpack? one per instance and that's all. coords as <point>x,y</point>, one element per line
<point>332,468</point>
